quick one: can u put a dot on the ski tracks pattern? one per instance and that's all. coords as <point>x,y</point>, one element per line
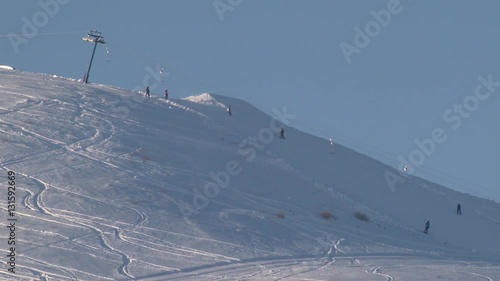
<point>35,202</point>
<point>376,270</point>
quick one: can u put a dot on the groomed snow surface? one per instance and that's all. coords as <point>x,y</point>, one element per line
<point>112,185</point>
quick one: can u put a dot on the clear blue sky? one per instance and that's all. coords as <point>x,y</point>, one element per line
<point>287,53</point>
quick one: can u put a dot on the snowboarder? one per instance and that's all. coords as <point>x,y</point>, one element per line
<point>459,209</point>
<point>331,145</point>
<point>229,110</point>
<point>427,225</point>
<point>147,92</point>
<point>282,133</point>
<point>166,94</point>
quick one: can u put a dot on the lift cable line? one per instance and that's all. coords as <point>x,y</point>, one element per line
<point>93,37</point>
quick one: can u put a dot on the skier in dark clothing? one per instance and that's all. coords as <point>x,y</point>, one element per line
<point>459,209</point>
<point>427,225</point>
<point>147,92</point>
<point>282,133</point>
<point>229,110</point>
<point>166,94</point>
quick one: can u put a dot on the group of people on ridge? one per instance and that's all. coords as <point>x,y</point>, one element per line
<point>282,132</point>
<point>148,94</point>
<point>428,224</point>
<point>282,136</point>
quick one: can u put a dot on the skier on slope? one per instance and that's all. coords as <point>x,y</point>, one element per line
<point>459,209</point>
<point>427,225</point>
<point>147,92</point>
<point>229,110</point>
<point>166,94</point>
<point>282,133</point>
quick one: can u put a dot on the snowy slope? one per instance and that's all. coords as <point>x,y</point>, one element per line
<point>112,185</point>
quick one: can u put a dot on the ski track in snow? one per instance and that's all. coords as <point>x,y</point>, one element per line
<point>75,220</point>
<point>27,199</point>
<point>185,108</point>
<point>273,264</point>
<point>40,205</point>
<point>69,272</point>
<point>123,268</point>
<point>336,246</point>
<point>38,197</point>
<point>376,270</point>
<point>126,260</point>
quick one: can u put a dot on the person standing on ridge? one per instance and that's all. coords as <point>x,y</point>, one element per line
<point>166,94</point>
<point>459,209</point>
<point>147,92</point>
<point>229,110</point>
<point>427,225</point>
<point>282,133</point>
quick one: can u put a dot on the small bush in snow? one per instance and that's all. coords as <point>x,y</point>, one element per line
<point>280,215</point>
<point>361,216</point>
<point>327,215</point>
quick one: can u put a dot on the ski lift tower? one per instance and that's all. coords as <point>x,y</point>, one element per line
<point>94,37</point>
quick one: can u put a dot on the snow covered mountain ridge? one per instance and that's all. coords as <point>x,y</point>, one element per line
<point>112,185</point>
